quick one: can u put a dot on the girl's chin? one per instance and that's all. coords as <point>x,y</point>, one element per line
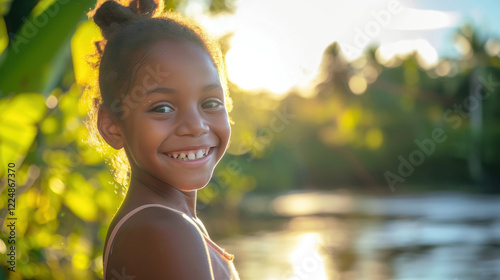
<point>189,190</point>
<point>184,180</point>
<point>192,185</point>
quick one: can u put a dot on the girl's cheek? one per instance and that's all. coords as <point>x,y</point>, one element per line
<point>226,125</point>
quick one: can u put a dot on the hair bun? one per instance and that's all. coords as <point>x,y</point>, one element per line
<point>111,14</point>
<point>146,7</point>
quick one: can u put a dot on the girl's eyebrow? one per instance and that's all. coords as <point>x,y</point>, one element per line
<point>171,90</point>
<point>161,90</point>
<point>211,86</point>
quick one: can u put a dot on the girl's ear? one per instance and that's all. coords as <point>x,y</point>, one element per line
<point>109,127</point>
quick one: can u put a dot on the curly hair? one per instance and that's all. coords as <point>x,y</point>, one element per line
<point>129,28</point>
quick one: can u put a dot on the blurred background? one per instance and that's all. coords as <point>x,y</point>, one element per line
<point>365,144</point>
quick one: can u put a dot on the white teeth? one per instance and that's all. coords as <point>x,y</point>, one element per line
<point>199,154</point>
<point>190,155</point>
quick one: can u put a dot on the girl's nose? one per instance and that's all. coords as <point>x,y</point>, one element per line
<point>191,123</point>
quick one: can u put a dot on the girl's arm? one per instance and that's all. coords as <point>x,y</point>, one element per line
<point>159,244</point>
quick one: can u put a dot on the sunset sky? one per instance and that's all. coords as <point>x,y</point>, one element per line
<point>278,44</point>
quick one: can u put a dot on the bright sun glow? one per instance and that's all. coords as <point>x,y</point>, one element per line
<point>426,54</point>
<point>278,45</point>
<point>255,62</point>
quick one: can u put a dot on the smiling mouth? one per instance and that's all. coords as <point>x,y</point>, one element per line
<point>190,155</point>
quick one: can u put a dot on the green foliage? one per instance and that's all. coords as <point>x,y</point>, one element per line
<point>66,196</point>
<point>38,53</point>
<point>20,115</point>
<point>221,6</point>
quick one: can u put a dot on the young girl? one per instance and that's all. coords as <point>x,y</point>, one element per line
<point>164,101</point>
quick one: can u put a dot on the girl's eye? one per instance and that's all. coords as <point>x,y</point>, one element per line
<point>162,109</point>
<point>212,104</point>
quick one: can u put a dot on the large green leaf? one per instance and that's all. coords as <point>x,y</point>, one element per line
<point>19,119</point>
<point>4,39</point>
<point>29,63</point>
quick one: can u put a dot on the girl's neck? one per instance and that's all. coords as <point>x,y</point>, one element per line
<point>143,191</point>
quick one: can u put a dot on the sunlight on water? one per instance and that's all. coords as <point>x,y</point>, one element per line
<point>306,260</point>
<point>426,237</point>
<point>299,204</point>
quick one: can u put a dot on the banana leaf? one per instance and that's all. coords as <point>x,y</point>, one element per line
<point>33,61</point>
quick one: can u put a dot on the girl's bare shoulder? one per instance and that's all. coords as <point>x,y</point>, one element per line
<point>158,243</point>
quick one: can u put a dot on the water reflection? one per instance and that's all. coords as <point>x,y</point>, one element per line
<point>439,236</point>
<point>306,259</point>
<point>313,203</point>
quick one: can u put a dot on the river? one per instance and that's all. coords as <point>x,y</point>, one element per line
<point>339,236</point>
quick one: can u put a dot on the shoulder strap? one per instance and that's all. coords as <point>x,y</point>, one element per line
<point>109,246</point>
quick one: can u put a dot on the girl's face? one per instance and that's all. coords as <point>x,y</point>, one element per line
<point>175,124</point>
